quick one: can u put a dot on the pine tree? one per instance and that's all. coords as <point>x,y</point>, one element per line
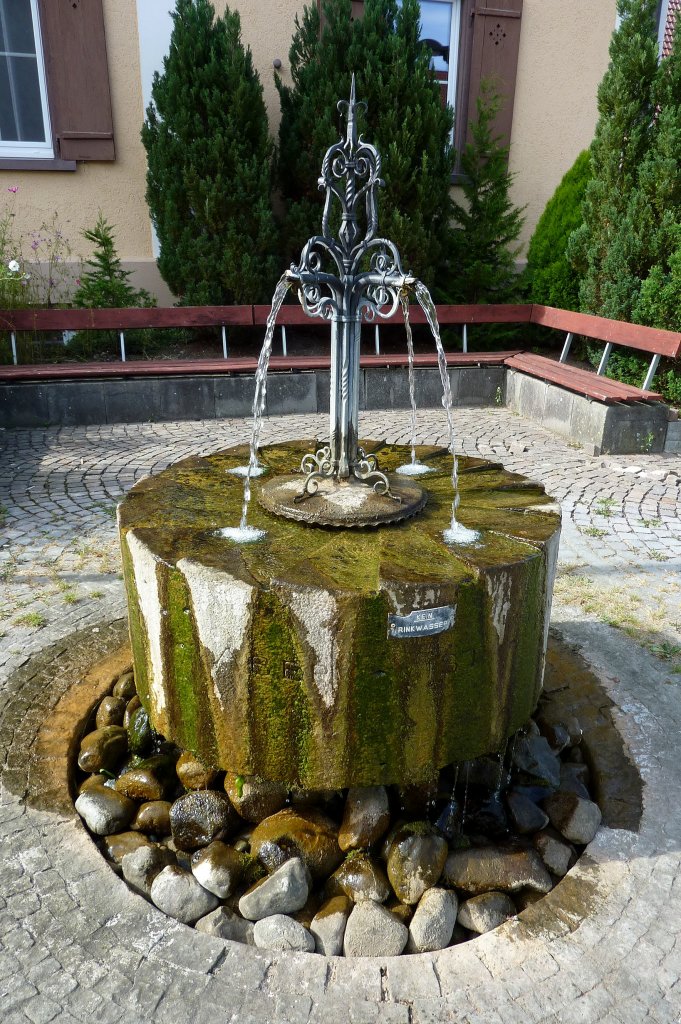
<point>209,154</point>
<point>105,283</point>
<point>603,250</point>
<point>405,120</point>
<point>549,278</point>
<point>484,243</point>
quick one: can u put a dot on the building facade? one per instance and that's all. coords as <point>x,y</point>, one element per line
<point>75,78</point>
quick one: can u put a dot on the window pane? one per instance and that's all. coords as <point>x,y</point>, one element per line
<point>436,30</point>
<point>16,26</point>
<point>21,115</point>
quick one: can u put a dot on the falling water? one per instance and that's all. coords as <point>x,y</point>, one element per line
<point>501,775</point>
<point>412,468</point>
<point>244,533</point>
<point>464,809</point>
<point>457,532</point>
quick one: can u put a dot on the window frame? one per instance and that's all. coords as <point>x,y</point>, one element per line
<point>15,150</point>
<point>454,48</point>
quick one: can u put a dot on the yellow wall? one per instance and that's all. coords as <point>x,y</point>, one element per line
<point>563,54</point>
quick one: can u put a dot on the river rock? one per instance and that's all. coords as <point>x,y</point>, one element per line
<point>225,924</point>
<point>141,783</point>
<point>177,893</point>
<point>282,933</point>
<point>365,818</point>
<point>485,912</point>
<point>575,818</point>
<point>415,863</point>
<point>193,774</point>
<point>556,734</point>
<point>254,799</point>
<point>110,712</point>
<point>103,748</point>
<point>131,707</point>
<point>125,686</point>
<point>105,811</point>
<point>219,868</point>
<point>489,817</point>
<point>328,925</point>
<point>360,878</point>
<point>309,834</point>
<point>153,817</point>
<point>433,922</point>
<point>272,855</point>
<point>573,779</point>
<point>141,866</point>
<point>197,818</point>
<point>371,930</point>
<point>554,851</point>
<point>116,846</point>
<point>283,892</point>
<point>526,816</point>
<point>139,732</point>
<point>491,867</point>
<point>533,755</point>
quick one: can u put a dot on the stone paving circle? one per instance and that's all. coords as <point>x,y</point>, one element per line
<point>77,945</point>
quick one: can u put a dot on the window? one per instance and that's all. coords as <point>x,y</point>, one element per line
<point>441,30</point>
<point>24,115</point>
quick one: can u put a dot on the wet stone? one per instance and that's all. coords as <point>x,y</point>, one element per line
<point>283,892</point>
<point>254,798</point>
<point>366,817</point>
<point>360,878</point>
<point>105,811</point>
<point>415,863</point>
<point>372,930</point>
<point>575,818</point>
<point>310,834</point>
<point>433,922</point>
<point>225,924</point>
<point>533,755</point>
<point>110,712</point>
<point>328,925</point>
<point>526,816</point>
<point>196,819</point>
<point>489,868</point>
<point>558,856</point>
<point>141,866</point>
<point>282,933</point>
<point>153,817</point>
<point>219,868</point>
<point>116,846</point>
<point>489,818</point>
<point>449,820</point>
<point>573,778</point>
<point>177,893</point>
<point>555,733</point>
<point>125,686</point>
<point>485,912</point>
<point>103,748</point>
<point>139,732</point>
<point>131,707</point>
<point>193,774</point>
<point>141,784</point>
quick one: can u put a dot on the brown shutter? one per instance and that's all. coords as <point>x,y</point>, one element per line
<point>77,78</point>
<point>494,57</point>
<point>357,11</point>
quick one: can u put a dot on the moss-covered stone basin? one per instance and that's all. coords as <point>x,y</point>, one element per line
<point>311,657</point>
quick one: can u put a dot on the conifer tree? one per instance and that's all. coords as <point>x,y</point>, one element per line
<point>484,242</point>
<point>405,120</point>
<point>103,281</point>
<point>209,154</point>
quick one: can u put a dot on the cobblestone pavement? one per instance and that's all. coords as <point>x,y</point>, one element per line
<point>76,945</point>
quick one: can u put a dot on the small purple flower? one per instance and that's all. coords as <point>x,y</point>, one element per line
<point>13,188</point>
<point>35,244</point>
<point>77,282</point>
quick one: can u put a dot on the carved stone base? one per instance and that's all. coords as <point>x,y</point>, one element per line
<point>341,503</point>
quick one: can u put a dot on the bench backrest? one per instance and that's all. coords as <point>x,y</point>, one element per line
<point>614,332</point>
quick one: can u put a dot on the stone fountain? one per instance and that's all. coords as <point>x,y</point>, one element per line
<point>377,630</point>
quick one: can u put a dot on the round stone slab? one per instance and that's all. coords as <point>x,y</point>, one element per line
<point>347,504</point>
<point>321,658</point>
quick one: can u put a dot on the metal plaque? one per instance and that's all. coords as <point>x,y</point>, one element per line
<point>424,622</point>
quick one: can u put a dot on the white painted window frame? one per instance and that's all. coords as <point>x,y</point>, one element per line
<point>12,149</point>
<point>454,47</point>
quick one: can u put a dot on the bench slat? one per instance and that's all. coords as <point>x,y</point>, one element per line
<point>584,382</point>
<point>645,339</point>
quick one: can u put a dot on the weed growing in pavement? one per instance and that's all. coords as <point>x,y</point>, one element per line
<point>658,556</point>
<point>651,524</point>
<point>605,507</point>
<point>593,531</point>
<point>34,619</point>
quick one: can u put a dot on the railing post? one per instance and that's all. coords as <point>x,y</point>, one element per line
<point>566,347</point>
<point>604,359</point>
<point>652,370</point>
<point>284,347</point>
<point>464,338</point>
<point>121,336</point>
<point>224,342</point>
<point>13,339</point>
<point>377,339</point>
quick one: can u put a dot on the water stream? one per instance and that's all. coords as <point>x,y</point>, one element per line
<point>457,532</point>
<point>412,468</point>
<point>244,533</point>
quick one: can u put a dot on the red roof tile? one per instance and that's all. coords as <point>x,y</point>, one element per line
<point>672,11</point>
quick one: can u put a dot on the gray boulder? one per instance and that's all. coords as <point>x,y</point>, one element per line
<point>525,815</point>
<point>283,892</point>
<point>433,922</point>
<point>483,913</point>
<point>575,818</point>
<point>328,925</point>
<point>280,932</point>
<point>366,817</point>
<point>372,930</point>
<point>141,866</point>
<point>533,755</point>
<point>197,818</point>
<point>492,868</point>
<point>177,893</point>
<point>105,811</point>
<point>415,863</point>
<point>360,878</point>
<point>225,924</point>
<point>219,868</point>
<point>555,852</point>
